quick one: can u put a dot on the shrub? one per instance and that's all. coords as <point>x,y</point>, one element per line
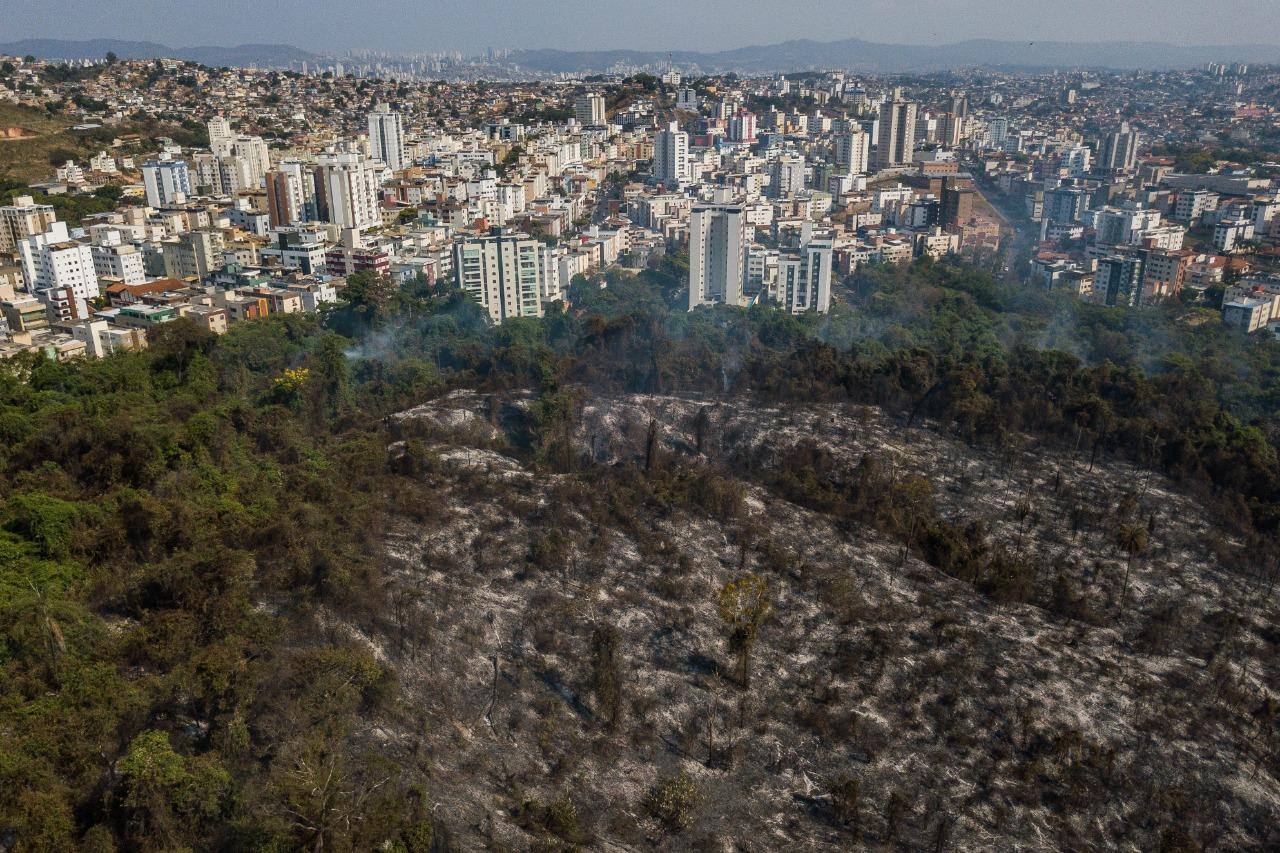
<point>672,801</point>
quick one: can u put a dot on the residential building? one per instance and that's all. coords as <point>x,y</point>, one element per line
<point>509,275</point>
<point>786,176</point>
<point>291,194</point>
<point>24,314</point>
<point>957,205</point>
<point>897,133</point>
<point>1118,280</point>
<point>1248,314</point>
<point>347,190</point>
<point>120,261</point>
<point>52,261</point>
<point>742,127</point>
<point>671,156</point>
<point>588,109</point>
<point>853,152</point>
<point>804,278</point>
<point>1163,272</point>
<point>22,219</point>
<point>386,137</point>
<point>1077,160</point>
<point>1229,234</point>
<point>252,152</point>
<point>1119,149</point>
<point>1192,205</point>
<point>221,136</point>
<point>717,254</point>
<point>193,255</point>
<point>298,249</point>
<point>1065,204</point>
<point>167,182</point>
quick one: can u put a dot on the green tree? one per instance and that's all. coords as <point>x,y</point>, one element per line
<point>743,604</point>
<point>168,795</point>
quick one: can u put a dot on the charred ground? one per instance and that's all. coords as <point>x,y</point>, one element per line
<point>1025,699</point>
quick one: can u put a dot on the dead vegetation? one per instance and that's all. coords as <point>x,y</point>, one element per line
<point>735,627</point>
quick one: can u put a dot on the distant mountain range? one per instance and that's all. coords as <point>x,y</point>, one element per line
<point>265,55</point>
<point>858,55</point>
<point>798,55</point>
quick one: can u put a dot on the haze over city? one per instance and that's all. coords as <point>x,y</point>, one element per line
<point>435,25</point>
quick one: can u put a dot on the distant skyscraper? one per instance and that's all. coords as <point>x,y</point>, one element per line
<point>166,181</point>
<point>220,136</point>
<point>21,219</point>
<point>1119,150</point>
<point>998,131</point>
<point>347,189</point>
<point>588,109</point>
<point>742,127</point>
<point>786,176</point>
<point>717,254</point>
<point>671,156</point>
<point>897,139</point>
<point>853,150</point>
<point>386,137</point>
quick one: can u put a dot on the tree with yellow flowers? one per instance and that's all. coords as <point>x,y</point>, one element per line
<point>743,605</point>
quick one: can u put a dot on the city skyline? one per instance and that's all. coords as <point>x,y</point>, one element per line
<point>403,26</point>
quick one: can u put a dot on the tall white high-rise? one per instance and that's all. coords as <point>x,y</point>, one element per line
<point>1077,160</point>
<point>52,261</point>
<point>853,152</point>
<point>804,278</point>
<point>220,136</point>
<point>1119,150</point>
<point>347,189</point>
<point>717,254</point>
<point>166,181</point>
<point>786,176</point>
<point>897,139</point>
<point>291,193</point>
<point>588,109</point>
<point>386,137</point>
<point>998,131</point>
<point>509,275</point>
<point>671,156</point>
<point>253,150</point>
<point>742,127</point>
<point>22,218</point>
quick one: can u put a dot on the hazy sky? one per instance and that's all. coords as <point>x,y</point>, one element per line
<point>429,25</point>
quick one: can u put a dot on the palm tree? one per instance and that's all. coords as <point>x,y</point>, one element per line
<point>1132,539</point>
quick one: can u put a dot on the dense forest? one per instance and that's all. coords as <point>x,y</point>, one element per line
<point>184,527</point>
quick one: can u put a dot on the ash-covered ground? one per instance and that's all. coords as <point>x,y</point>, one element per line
<point>1114,694</point>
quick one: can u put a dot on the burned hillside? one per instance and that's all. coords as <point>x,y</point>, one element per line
<point>1014,649</point>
